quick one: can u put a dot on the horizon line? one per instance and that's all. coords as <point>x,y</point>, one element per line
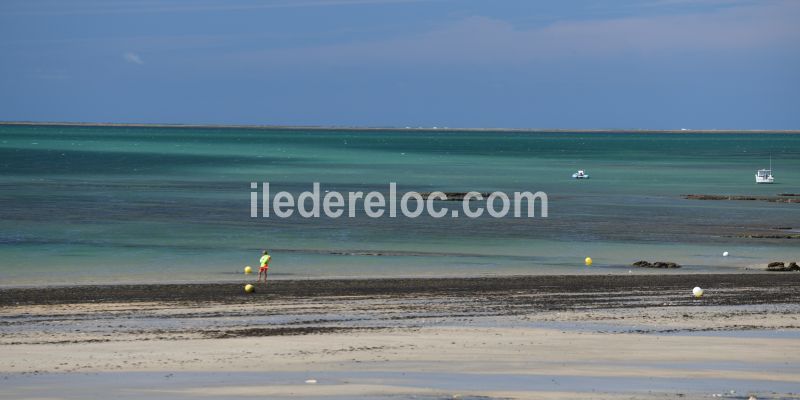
<point>392,128</point>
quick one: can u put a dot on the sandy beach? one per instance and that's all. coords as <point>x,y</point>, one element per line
<point>591,336</point>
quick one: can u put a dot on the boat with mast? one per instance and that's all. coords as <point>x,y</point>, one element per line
<point>765,175</point>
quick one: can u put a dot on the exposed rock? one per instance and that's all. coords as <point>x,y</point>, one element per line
<point>657,264</point>
<point>454,196</point>
<point>768,236</point>
<point>784,198</point>
<point>778,266</point>
<point>661,264</point>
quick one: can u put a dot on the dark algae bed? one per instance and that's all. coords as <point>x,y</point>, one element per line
<point>566,290</point>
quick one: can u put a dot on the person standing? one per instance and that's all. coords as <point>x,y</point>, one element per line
<point>265,257</point>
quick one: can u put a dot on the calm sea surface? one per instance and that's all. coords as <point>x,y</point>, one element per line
<point>116,204</point>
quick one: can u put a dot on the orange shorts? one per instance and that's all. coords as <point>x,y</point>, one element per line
<point>264,268</point>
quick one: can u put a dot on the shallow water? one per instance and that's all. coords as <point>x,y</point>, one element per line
<point>109,204</point>
<point>185,385</point>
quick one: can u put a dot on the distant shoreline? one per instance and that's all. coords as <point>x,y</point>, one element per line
<point>394,128</point>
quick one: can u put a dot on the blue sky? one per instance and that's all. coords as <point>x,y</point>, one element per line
<point>659,64</point>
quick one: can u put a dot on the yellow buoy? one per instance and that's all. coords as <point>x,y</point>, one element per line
<point>248,270</point>
<point>249,288</point>
<point>588,261</point>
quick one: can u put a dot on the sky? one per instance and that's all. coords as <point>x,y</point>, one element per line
<point>648,64</point>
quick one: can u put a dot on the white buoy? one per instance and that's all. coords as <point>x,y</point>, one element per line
<point>725,254</point>
<point>697,292</point>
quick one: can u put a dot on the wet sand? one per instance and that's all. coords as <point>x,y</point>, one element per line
<point>637,336</point>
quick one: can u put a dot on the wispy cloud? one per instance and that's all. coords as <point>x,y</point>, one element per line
<point>132,58</point>
<point>484,40</point>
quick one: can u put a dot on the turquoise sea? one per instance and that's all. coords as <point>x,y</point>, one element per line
<point>172,204</point>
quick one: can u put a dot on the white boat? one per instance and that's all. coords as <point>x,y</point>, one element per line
<point>765,175</point>
<point>581,174</point>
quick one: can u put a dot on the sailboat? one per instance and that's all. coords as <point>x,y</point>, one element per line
<point>765,175</point>
<point>581,174</point>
